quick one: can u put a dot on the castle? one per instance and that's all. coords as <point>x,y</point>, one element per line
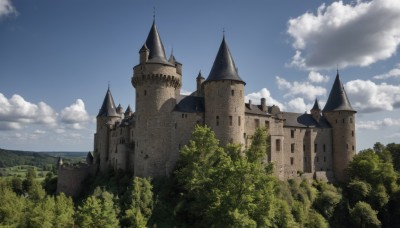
<point>318,145</point>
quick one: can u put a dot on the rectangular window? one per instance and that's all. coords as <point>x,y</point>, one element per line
<point>324,147</point>
<point>238,120</point>
<point>304,148</point>
<point>217,121</point>
<point>291,160</point>
<point>324,159</point>
<point>230,120</point>
<point>292,133</point>
<point>257,123</point>
<point>315,148</point>
<point>292,147</point>
<point>278,145</point>
<point>266,124</point>
<point>352,133</point>
<point>233,92</point>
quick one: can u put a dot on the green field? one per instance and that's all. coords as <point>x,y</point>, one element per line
<point>21,170</point>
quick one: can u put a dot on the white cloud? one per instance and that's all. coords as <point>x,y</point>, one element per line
<point>263,93</point>
<point>393,73</point>
<point>316,77</point>
<point>305,89</point>
<point>16,112</point>
<point>6,8</point>
<point>367,97</point>
<point>356,34</point>
<point>75,114</point>
<point>378,124</point>
<point>298,105</point>
<point>185,92</point>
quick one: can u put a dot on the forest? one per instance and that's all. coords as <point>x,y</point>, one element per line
<point>213,186</point>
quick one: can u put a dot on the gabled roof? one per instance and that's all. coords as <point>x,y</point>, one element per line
<point>155,46</point>
<point>338,100</point>
<point>108,107</point>
<point>224,67</point>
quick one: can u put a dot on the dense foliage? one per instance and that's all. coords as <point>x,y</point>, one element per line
<point>11,158</point>
<point>215,187</point>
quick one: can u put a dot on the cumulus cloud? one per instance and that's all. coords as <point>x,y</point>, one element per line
<point>356,34</point>
<point>75,115</point>
<point>298,105</point>
<point>378,124</point>
<point>393,73</point>
<point>263,93</point>
<point>185,92</point>
<point>304,89</point>
<point>316,77</point>
<point>17,112</point>
<point>367,97</point>
<point>6,8</point>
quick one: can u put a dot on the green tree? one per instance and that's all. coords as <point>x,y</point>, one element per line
<point>41,213</point>
<point>98,210</point>
<point>359,190</point>
<point>362,215</point>
<point>316,220</point>
<point>327,200</point>
<point>12,208</point>
<point>64,211</point>
<point>225,188</point>
<point>140,204</point>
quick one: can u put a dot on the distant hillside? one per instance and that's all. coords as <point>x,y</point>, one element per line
<point>9,158</point>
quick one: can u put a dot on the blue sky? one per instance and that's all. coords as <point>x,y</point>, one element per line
<point>57,58</point>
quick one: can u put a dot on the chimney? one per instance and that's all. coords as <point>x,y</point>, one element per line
<point>263,104</point>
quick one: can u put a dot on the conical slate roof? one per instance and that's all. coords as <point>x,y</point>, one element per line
<point>224,67</point>
<point>156,47</point>
<point>316,105</point>
<point>200,76</point>
<point>128,110</point>
<point>108,107</point>
<point>338,100</point>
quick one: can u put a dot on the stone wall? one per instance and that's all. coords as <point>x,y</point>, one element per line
<point>224,110</point>
<point>71,178</point>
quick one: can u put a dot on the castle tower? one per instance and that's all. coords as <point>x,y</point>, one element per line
<point>341,116</point>
<point>224,98</point>
<point>157,83</point>
<point>199,82</point>
<point>105,120</point>
<point>316,111</point>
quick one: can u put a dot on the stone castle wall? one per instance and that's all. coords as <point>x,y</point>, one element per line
<point>71,178</point>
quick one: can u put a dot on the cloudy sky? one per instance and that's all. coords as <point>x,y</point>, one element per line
<point>57,58</point>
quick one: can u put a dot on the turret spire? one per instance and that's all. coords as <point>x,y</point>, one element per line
<point>156,47</point>
<point>316,105</point>
<point>224,67</point>
<point>338,100</point>
<point>108,107</point>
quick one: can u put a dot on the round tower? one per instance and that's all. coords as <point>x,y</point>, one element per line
<point>157,83</point>
<point>341,116</point>
<point>105,120</point>
<point>224,99</point>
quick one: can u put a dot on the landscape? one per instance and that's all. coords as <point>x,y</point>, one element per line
<point>199,114</point>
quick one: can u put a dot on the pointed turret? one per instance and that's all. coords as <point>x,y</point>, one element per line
<point>108,107</point>
<point>224,99</point>
<point>199,82</point>
<point>128,111</point>
<point>224,67</point>
<point>338,100</point>
<point>341,116</point>
<point>155,46</point>
<point>120,110</point>
<point>316,111</point>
